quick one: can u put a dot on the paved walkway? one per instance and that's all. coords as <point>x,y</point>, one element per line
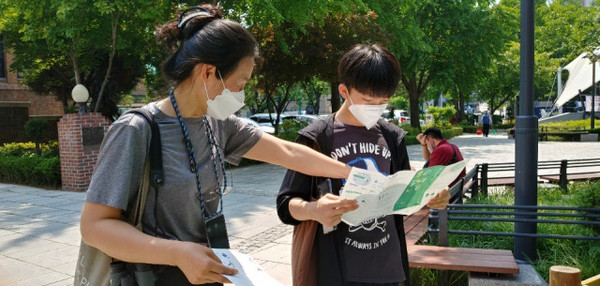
<point>39,229</point>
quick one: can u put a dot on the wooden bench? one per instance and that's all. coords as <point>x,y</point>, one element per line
<point>452,258</point>
<point>415,226</point>
<point>508,181</point>
<point>572,177</point>
<point>462,259</point>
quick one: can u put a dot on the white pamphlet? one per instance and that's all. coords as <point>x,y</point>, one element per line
<point>404,192</point>
<point>249,272</point>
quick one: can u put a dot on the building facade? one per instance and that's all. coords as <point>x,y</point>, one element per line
<point>18,104</point>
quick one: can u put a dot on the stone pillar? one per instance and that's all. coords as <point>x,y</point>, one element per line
<point>79,138</point>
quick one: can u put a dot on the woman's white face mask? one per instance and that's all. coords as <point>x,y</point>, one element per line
<point>224,104</point>
<point>367,114</point>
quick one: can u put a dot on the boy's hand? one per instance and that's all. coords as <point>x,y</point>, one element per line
<point>441,200</point>
<point>328,210</point>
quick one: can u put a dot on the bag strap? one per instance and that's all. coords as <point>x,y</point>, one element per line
<point>153,170</point>
<point>156,168</point>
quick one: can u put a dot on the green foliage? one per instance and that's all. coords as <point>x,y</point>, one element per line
<point>290,129</point>
<point>411,139</point>
<point>571,125</point>
<point>59,38</point>
<point>441,115</point>
<point>20,164</point>
<point>126,100</point>
<point>36,171</point>
<point>27,149</point>
<point>469,129</point>
<point>399,102</point>
<point>37,128</point>
<point>452,132</point>
<point>411,130</point>
<point>574,253</point>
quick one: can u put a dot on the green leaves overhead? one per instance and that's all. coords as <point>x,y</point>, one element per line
<point>458,47</point>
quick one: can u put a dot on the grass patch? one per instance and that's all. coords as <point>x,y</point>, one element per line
<point>582,254</point>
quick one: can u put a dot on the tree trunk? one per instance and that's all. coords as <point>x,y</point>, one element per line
<point>75,61</point>
<point>114,23</point>
<point>335,97</point>
<point>415,113</point>
<point>317,104</point>
<point>460,112</point>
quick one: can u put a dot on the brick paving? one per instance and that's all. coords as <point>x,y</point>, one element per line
<point>39,229</point>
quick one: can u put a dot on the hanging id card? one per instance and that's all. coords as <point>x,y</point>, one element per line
<point>216,232</point>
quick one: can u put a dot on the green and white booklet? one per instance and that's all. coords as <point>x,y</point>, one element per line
<point>404,192</point>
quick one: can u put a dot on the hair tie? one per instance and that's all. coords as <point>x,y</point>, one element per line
<point>183,20</point>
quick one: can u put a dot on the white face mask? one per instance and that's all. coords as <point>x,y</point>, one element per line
<point>224,104</point>
<point>367,114</point>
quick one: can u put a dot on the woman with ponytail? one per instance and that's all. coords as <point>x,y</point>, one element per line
<point>212,60</point>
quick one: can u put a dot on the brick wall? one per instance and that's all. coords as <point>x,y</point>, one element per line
<point>16,97</point>
<point>79,149</point>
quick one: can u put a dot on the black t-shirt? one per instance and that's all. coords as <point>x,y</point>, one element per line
<point>371,251</point>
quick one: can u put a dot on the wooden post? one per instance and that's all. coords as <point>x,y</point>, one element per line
<point>564,276</point>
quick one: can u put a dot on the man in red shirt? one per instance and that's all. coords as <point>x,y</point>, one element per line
<point>442,152</point>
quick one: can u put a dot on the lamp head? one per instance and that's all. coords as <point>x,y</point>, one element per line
<point>80,94</point>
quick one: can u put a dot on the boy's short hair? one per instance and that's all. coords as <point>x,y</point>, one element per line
<point>434,133</point>
<point>371,70</point>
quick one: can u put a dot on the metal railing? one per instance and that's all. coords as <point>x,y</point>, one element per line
<point>582,166</point>
<point>458,212</point>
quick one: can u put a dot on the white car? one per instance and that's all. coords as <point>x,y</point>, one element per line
<point>308,118</point>
<point>248,121</point>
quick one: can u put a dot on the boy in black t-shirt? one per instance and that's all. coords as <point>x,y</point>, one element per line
<point>374,252</point>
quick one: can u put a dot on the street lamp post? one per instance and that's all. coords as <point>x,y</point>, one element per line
<point>80,95</point>
<point>593,56</point>
<point>594,59</point>
<point>526,151</point>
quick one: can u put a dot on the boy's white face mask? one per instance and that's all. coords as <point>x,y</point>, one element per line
<point>367,114</point>
<point>224,104</point>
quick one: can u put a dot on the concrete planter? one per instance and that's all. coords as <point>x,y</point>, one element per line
<point>591,137</point>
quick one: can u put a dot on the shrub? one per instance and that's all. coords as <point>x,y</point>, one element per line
<point>571,125</point>
<point>32,170</point>
<point>411,139</point>
<point>410,130</point>
<point>27,149</point>
<point>36,129</point>
<point>469,129</point>
<point>441,115</point>
<point>288,130</point>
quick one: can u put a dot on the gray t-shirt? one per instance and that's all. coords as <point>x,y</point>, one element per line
<point>177,215</point>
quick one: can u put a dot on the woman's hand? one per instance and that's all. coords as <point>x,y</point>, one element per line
<point>441,200</point>
<point>328,210</point>
<point>200,264</point>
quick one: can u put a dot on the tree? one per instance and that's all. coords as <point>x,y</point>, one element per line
<point>37,129</point>
<point>441,115</point>
<point>313,89</point>
<point>58,43</point>
<point>562,28</point>
<point>437,42</point>
<point>290,58</point>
